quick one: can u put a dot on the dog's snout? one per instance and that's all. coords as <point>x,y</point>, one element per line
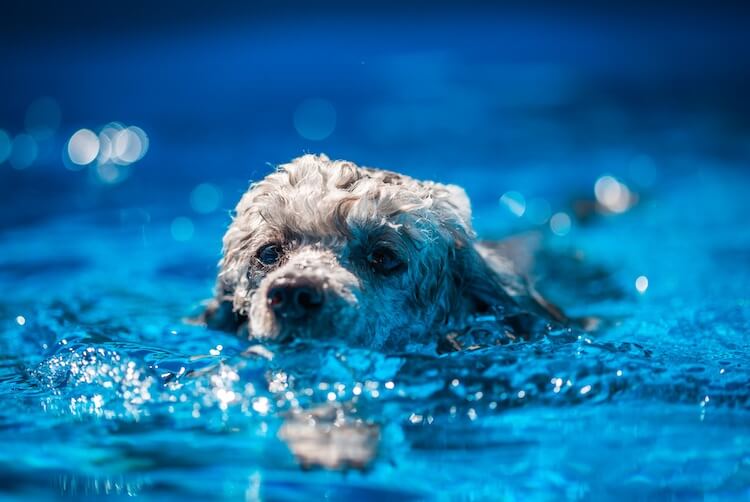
<point>295,299</point>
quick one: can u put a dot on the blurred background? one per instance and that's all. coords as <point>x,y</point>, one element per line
<point>169,109</point>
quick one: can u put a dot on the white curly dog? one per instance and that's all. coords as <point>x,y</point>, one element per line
<point>326,248</point>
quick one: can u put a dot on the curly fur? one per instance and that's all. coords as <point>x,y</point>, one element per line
<point>327,215</point>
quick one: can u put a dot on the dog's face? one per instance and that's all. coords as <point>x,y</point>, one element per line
<point>325,248</point>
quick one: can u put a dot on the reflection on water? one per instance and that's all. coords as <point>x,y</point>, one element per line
<point>328,436</point>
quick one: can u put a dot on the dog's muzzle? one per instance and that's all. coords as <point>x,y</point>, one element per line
<point>295,299</point>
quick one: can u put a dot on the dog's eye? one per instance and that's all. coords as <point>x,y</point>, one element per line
<point>385,261</point>
<point>269,254</point>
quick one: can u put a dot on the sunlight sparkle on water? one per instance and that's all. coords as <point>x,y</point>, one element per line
<point>261,405</point>
<point>558,383</point>
<point>21,320</point>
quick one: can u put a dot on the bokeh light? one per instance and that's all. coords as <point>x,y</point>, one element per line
<point>105,148</point>
<point>107,142</point>
<point>128,145</point>
<point>182,229</point>
<point>114,148</point>
<point>5,146</point>
<point>107,173</point>
<point>641,284</point>
<point>111,174</point>
<point>121,145</point>
<point>83,147</point>
<point>23,151</point>
<point>560,224</point>
<point>143,138</point>
<point>315,119</point>
<point>43,118</point>
<point>514,202</point>
<point>205,198</point>
<point>612,195</point>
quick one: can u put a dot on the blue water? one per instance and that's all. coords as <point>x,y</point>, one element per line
<point>105,389</point>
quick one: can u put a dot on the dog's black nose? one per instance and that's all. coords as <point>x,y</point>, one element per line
<point>295,299</point>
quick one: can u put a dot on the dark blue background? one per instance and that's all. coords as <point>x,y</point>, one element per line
<point>453,92</point>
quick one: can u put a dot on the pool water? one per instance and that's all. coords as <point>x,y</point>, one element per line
<point>546,117</point>
<point>105,390</point>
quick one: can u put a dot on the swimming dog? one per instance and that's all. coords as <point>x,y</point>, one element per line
<point>327,248</point>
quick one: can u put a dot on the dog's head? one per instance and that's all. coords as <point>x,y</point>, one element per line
<point>327,248</point>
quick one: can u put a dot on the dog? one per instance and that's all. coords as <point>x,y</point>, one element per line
<point>327,249</point>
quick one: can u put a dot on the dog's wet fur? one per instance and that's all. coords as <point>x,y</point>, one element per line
<point>325,248</point>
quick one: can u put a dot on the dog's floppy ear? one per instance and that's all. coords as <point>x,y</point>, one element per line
<point>222,312</point>
<point>481,282</point>
<point>499,275</point>
<point>478,280</point>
